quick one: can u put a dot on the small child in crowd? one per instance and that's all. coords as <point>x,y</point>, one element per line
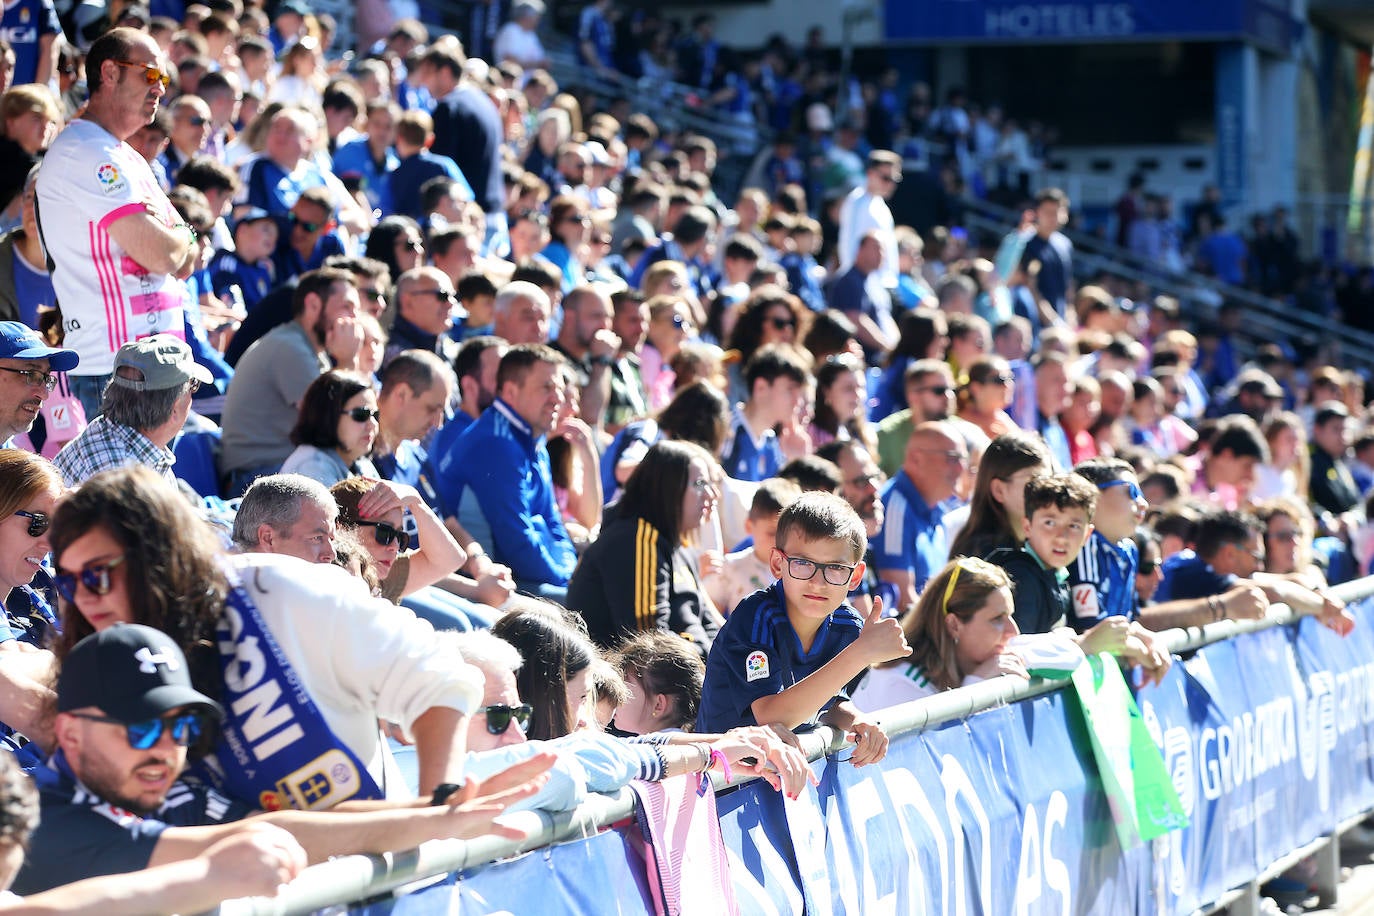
<point>747,570</point>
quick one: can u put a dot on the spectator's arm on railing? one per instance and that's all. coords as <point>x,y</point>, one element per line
<point>1246,601</point>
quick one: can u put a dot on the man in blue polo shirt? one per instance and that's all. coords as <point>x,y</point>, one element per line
<point>913,545</point>
<point>1230,552</point>
<point>497,481</point>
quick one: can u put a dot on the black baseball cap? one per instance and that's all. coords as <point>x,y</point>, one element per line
<point>131,673</point>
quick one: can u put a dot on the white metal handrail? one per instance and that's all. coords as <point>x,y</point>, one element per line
<point>351,878</point>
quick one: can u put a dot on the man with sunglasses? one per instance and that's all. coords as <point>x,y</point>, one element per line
<point>929,388</point>
<point>27,365</point>
<point>425,305</point>
<point>143,408</point>
<point>190,129</point>
<point>1223,577</point>
<point>120,250</point>
<point>126,712</point>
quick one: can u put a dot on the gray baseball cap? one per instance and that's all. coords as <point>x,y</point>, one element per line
<point>164,360</point>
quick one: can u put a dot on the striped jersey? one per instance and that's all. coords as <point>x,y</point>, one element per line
<point>88,181</point>
<point>1102,581</point>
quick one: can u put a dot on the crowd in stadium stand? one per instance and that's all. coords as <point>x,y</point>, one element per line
<point>392,434</point>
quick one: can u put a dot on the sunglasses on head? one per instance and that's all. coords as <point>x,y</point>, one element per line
<point>185,728</point>
<point>1132,488</point>
<point>38,522</point>
<point>385,534</point>
<point>499,717</point>
<point>95,576</point>
<point>362,414</point>
<point>150,73</point>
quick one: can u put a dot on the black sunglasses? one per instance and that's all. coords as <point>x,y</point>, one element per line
<point>197,121</point>
<point>308,227</point>
<point>95,576</point>
<point>362,414</point>
<point>185,728</point>
<point>439,294</point>
<point>781,323</point>
<point>385,534</point>
<point>499,717</point>
<point>38,522</point>
<point>1148,567</point>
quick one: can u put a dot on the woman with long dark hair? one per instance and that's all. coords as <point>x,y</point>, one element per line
<point>638,575</point>
<point>842,403</point>
<point>922,334</point>
<point>996,517</point>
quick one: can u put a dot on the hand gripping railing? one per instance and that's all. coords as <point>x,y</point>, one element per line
<point>353,878</point>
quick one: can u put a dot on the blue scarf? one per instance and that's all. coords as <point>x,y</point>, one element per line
<point>275,749</point>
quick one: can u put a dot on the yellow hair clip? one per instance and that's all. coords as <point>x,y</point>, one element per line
<point>960,565</point>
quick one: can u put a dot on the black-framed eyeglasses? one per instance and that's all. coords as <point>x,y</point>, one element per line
<point>1148,567</point>
<point>386,533</point>
<point>499,717</point>
<point>185,728</point>
<point>150,73</point>
<point>363,414</point>
<point>38,522</point>
<point>94,576</point>
<point>308,227</point>
<point>803,570</point>
<point>941,390</point>
<point>1132,488</point>
<point>35,377</point>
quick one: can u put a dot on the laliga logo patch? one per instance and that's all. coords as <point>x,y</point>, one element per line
<point>110,178</point>
<point>1085,600</point>
<point>755,666</point>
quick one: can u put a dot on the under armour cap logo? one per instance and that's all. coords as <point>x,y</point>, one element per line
<point>148,662</point>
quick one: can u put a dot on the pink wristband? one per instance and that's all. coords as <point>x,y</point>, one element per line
<point>718,757</point>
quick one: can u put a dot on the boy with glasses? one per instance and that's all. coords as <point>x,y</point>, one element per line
<point>792,653</point>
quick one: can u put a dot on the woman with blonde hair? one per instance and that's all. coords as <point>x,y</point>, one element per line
<point>958,632</point>
<point>29,488</point>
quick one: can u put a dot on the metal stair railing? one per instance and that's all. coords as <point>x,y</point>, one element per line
<point>1266,318</point>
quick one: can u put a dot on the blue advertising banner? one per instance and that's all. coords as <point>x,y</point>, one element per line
<point>1266,22</point>
<point>1268,739</point>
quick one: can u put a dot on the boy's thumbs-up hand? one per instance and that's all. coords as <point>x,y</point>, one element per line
<point>882,639</point>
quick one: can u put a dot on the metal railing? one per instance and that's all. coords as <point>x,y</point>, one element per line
<point>351,878</point>
<point>1266,319</point>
